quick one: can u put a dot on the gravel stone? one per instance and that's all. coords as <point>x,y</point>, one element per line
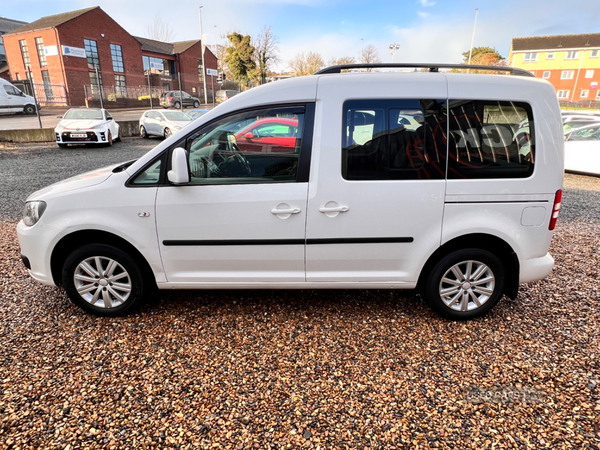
<point>350,369</point>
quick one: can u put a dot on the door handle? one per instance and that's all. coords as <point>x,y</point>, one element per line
<point>334,209</point>
<point>285,211</point>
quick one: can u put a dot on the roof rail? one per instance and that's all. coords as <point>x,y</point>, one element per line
<point>431,66</point>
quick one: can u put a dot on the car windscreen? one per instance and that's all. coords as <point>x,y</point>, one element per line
<point>83,114</point>
<point>176,115</point>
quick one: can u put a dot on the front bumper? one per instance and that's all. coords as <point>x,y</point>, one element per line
<point>35,243</point>
<point>82,137</point>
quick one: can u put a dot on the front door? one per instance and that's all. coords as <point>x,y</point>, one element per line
<point>241,219</point>
<point>375,213</point>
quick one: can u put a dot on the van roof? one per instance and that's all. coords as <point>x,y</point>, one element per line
<point>432,67</point>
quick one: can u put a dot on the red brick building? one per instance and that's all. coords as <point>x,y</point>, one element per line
<point>86,51</point>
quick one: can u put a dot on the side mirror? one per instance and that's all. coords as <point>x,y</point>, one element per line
<point>249,136</point>
<point>180,172</point>
<point>59,117</point>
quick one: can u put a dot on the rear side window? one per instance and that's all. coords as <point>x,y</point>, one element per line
<point>490,139</point>
<point>393,139</point>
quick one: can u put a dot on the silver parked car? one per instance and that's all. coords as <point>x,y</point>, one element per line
<point>162,123</point>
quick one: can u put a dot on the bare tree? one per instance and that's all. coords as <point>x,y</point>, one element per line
<point>306,64</point>
<point>159,31</point>
<point>370,55</point>
<point>342,60</point>
<point>265,49</point>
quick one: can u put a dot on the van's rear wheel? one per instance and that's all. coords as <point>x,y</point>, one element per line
<point>103,280</point>
<point>465,284</point>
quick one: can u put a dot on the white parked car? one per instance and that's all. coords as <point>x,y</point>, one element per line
<point>162,123</point>
<point>87,126</point>
<point>455,205</point>
<point>582,149</point>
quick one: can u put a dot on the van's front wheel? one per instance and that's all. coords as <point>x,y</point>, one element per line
<point>465,284</point>
<point>103,280</point>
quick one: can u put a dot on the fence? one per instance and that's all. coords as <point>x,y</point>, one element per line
<point>122,97</point>
<point>47,94</point>
<point>582,104</point>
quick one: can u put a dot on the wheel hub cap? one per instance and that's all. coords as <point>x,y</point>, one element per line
<point>102,282</point>
<point>467,285</point>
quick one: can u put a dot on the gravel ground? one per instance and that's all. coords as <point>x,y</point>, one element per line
<point>309,369</point>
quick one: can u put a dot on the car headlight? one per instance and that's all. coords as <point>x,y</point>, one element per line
<point>33,212</point>
<point>97,127</point>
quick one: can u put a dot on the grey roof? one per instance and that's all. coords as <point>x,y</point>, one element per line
<point>7,25</point>
<point>566,41</point>
<point>165,48</point>
<point>180,47</point>
<point>51,21</point>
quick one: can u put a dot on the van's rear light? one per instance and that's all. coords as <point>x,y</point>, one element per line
<point>555,209</point>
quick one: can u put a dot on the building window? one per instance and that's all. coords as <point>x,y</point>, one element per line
<point>96,84</point>
<point>117,57</point>
<point>563,94</point>
<point>200,70</point>
<point>567,74</point>
<point>530,57</point>
<point>47,85</point>
<point>594,54</point>
<point>25,54</point>
<point>589,73</point>
<point>91,50</point>
<point>546,74</point>
<point>550,55</point>
<point>584,93</point>
<point>572,54</point>
<point>120,86</point>
<point>158,66</point>
<point>598,95</point>
<point>39,43</point>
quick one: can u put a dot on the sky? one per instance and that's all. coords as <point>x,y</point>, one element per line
<point>426,30</point>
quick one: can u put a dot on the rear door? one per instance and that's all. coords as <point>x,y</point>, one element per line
<point>376,205</point>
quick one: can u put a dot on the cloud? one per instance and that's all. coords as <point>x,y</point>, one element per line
<point>423,14</point>
<point>426,3</point>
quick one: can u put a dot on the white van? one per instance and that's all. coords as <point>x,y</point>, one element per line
<point>445,182</point>
<point>13,100</point>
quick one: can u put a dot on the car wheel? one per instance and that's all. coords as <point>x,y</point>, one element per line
<point>168,133</point>
<point>176,105</point>
<point>465,284</point>
<point>196,104</point>
<point>103,280</point>
<point>61,145</point>
<point>109,141</point>
<point>119,135</point>
<point>143,132</point>
<point>29,109</point>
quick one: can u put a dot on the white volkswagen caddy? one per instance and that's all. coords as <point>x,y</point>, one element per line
<point>445,182</point>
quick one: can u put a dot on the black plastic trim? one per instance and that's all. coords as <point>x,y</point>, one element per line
<point>230,242</point>
<point>431,66</point>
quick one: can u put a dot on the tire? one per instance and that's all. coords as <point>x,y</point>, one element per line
<point>176,105</point>
<point>61,145</point>
<point>103,280</point>
<point>119,136</point>
<point>143,132</point>
<point>109,141</point>
<point>29,109</point>
<point>168,133</point>
<point>196,104</point>
<point>465,284</point>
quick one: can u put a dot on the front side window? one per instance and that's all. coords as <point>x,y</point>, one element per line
<point>530,57</point>
<point>91,51</point>
<point>490,139</point>
<point>260,146</point>
<point>567,74</point>
<point>572,54</point>
<point>393,139</point>
<point>117,57</point>
<point>25,54</point>
<point>39,43</point>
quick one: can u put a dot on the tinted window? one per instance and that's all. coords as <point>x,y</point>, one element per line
<point>393,140</point>
<point>232,150</point>
<point>490,139</point>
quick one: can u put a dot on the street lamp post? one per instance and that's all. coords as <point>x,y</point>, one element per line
<point>393,48</point>
<point>202,50</point>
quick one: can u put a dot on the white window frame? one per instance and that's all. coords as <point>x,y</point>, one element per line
<point>563,93</point>
<point>530,57</point>
<point>589,73</point>
<point>598,95</point>
<point>546,74</point>
<point>550,55</point>
<point>567,74</point>
<point>594,53</point>
<point>572,54</point>
<point>584,93</point>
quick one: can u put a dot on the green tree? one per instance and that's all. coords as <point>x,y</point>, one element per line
<point>240,57</point>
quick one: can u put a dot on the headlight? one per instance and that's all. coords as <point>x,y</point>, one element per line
<point>97,127</point>
<point>33,212</point>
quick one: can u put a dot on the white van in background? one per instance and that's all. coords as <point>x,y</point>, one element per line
<point>13,100</point>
